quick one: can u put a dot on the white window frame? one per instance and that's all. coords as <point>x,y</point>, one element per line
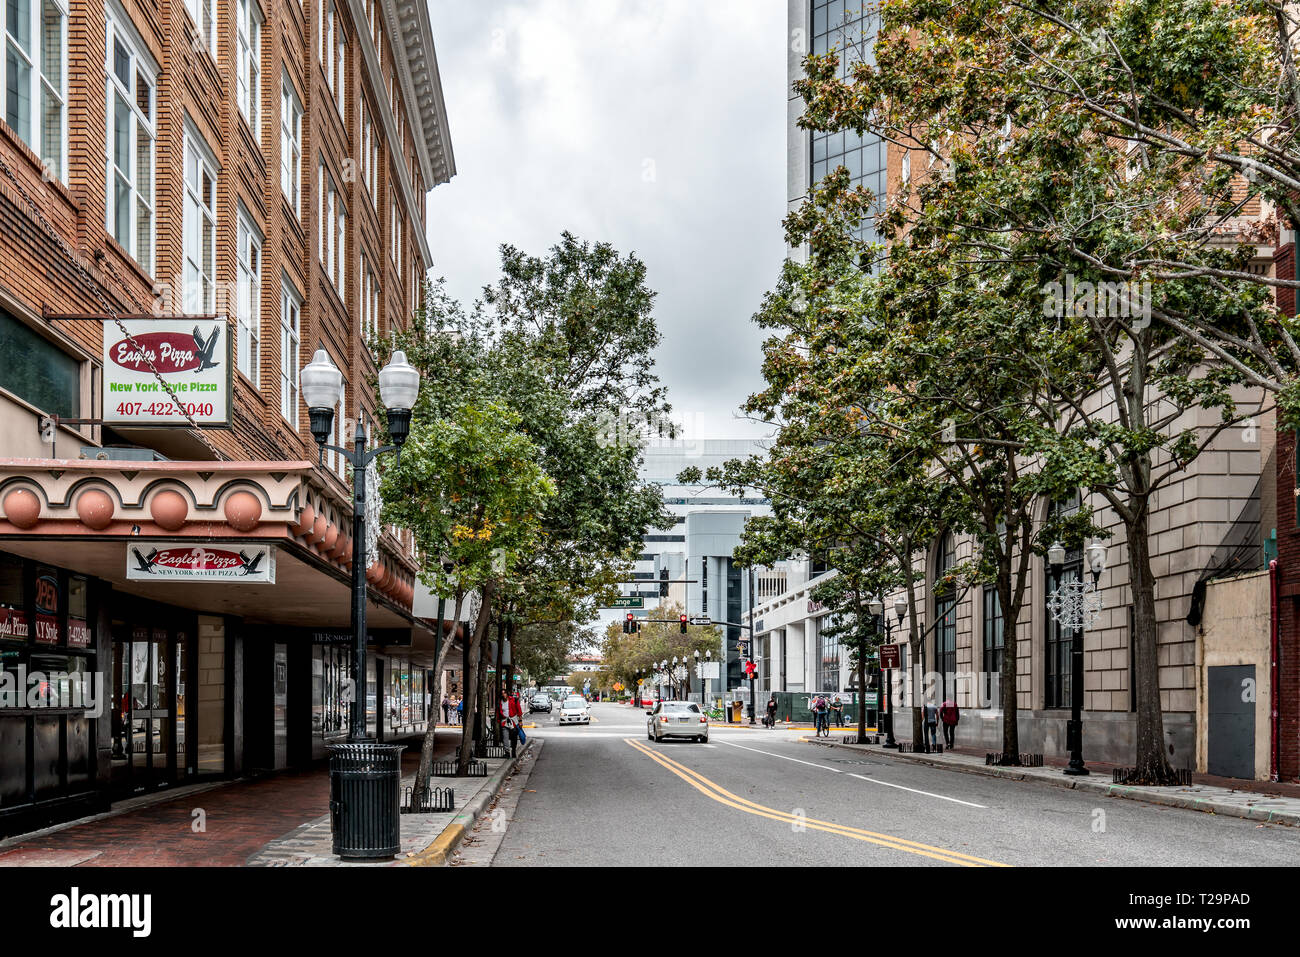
<point>199,216</point>
<point>290,345</point>
<point>45,84</point>
<point>248,304</point>
<point>203,13</point>
<point>395,228</point>
<point>333,230</point>
<point>141,206</point>
<point>291,143</point>
<point>369,302</point>
<point>248,81</point>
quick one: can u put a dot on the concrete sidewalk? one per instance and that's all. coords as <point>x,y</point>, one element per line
<point>1271,803</point>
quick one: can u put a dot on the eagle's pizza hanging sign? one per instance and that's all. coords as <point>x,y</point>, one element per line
<point>192,355</point>
<point>167,561</point>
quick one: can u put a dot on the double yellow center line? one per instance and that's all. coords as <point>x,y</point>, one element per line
<point>723,796</point>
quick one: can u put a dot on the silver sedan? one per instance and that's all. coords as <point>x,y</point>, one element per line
<point>677,719</point>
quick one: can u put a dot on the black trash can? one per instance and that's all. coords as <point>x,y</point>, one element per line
<point>365,800</point>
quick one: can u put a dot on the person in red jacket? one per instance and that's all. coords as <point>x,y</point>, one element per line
<point>949,715</point>
<point>512,712</point>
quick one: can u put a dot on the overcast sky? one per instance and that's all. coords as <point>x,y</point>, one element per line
<point>655,125</point>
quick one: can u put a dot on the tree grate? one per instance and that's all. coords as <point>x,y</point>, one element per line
<point>1023,760</point>
<point>1130,776</point>
<point>429,800</point>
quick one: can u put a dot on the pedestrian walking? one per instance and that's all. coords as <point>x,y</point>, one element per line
<point>512,714</point>
<point>949,715</point>
<point>446,709</point>
<point>460,710</point>
<point>931,715</point>
<point>771,712</point>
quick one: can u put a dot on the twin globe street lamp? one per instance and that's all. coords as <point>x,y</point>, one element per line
<point>1075,605</point>
<point>322,386</point>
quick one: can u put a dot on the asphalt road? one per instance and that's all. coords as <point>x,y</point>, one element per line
<point>604,794</point>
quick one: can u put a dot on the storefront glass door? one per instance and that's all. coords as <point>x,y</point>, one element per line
<point>149,714</point>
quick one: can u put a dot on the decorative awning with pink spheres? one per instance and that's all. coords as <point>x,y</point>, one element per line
<point>81,514</point>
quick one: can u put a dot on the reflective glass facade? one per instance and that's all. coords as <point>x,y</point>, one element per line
<point>849,28</point>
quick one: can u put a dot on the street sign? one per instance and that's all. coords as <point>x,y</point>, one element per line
<point>711,670</point>
<point>701,620</point>
<point>890,656</point>
<point>628,601</point>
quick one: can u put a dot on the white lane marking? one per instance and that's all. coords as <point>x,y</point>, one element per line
<point>900,787</point>
<point>860,777</point>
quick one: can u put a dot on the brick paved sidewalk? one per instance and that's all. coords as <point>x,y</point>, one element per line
<point>242,818</point>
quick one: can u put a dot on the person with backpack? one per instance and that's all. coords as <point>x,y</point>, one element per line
<point>949,715</point>
<point>770,721</point>
<point>931,716</point>
<point>821,714</point>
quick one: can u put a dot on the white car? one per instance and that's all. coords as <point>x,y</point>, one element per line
<point>677,719</point>
<point>574,710</point>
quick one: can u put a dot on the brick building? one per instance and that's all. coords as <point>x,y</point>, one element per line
<point>262,163</point>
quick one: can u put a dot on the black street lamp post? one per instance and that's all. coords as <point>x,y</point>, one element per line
<point>1074,727</point>
<point>877,610</point>
<point>322,385</point>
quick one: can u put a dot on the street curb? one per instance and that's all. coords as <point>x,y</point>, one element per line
<point>436,854</point>
<point>1209,806</point>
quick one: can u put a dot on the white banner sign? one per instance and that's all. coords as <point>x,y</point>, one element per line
<point>168,561</point>
<point>192,355</point>
<point>709,670</point>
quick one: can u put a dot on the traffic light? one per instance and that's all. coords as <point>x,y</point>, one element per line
<point>682,619</point>
<point>629,627</point>
<point>663,583</point>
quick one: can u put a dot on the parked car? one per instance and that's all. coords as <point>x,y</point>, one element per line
<point>677,719</point>
<point>540,702</point>
<point>574,710</point>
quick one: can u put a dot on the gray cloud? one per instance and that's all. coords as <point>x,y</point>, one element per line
<point>656,126</point>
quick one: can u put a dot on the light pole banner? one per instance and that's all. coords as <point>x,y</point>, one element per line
<point>167,561</point>
<point>192,355</point>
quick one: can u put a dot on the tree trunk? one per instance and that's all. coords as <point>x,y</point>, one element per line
<point>484,705</point>
<point>471,680</point>
<point>1007,681</point>
<point>427,746</point>
<point>1152,766</point>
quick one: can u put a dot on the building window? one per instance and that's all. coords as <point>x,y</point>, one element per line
<point>369,156</point>
<point>994,638</point>
<point>200,225</point>
<point>333,230</point>
<point>38,371</point>
<point>333,51</point>
<point>34,73</point>
<point>828,656</point>
<point>201,12</point>
<point>290,309</point>
<point>395,227</point>
<point>1057,673</point>
<point>945,614</point>
<point>249,38</point>
<point>249,266</point>
<point>130,207</point>
<point>369,303</point>
<point>290,144</point>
